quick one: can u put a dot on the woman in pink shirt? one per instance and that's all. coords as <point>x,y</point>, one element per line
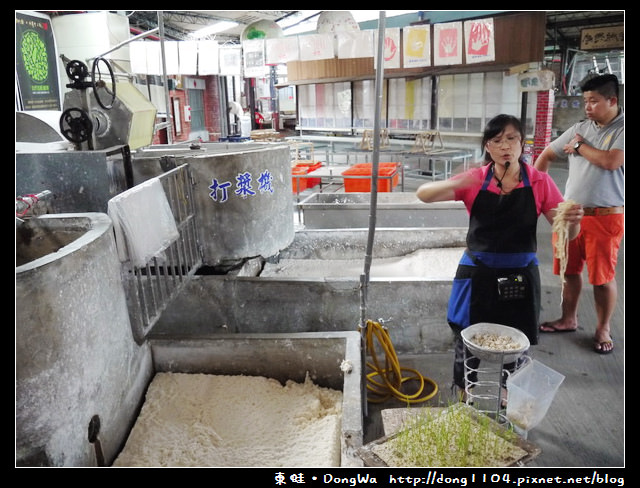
<point>497,279</point>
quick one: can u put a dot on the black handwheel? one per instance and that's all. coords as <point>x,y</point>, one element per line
<point>75,125</point>
<point>98,84</point>
<point>77,70</point>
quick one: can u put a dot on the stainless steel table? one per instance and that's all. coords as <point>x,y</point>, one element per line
<point>446,157</point>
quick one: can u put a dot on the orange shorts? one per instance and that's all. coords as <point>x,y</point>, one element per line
<point>597,245</point>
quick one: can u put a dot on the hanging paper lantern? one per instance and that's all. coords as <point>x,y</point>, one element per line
<point>262,29</point>
<point>336,21</point>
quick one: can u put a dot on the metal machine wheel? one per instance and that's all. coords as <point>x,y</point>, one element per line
<point>99,85</point>
<point>77,70</point>
<point>75,125</point>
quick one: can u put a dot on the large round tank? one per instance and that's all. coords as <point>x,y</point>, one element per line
<point>243,203</point>
<point>242,194</point>
<point>75,355</point>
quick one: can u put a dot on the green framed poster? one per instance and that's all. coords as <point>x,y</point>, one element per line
<point>37,82</point>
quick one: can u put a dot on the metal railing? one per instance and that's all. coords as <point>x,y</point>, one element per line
<point>151,287</point>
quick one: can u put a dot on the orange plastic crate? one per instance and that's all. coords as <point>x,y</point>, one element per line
<point>363,184</point>
<point>310,165</point>
<point>303,168</point>
<point>299,184</point>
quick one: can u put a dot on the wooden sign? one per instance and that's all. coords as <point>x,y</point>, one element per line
<point>537,80</point>
<point>602,37</point>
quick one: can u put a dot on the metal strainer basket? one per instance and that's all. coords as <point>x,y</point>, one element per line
<point>507,355</point>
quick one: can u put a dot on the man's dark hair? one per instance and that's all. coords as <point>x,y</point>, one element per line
<point>605,85</point>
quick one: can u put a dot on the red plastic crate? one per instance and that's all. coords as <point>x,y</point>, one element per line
<point>303,168</point>
<point>363,184</point>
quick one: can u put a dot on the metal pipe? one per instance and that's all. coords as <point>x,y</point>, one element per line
<point>364,279</point>
<point>124,43</point>
<point>25,202</point>
<point>165,80</point>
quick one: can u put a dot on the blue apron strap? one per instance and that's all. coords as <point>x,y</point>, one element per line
<point>525,174</point>
<point>487,178</point>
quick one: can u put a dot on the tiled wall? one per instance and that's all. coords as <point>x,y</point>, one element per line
<point>544,121</point>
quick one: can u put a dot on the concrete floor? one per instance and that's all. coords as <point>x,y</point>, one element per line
<point>584,426</point>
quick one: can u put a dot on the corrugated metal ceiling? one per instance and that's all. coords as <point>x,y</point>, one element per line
<point>563,26</point>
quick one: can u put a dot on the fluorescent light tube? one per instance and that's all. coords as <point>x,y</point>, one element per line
<point>214,28</point>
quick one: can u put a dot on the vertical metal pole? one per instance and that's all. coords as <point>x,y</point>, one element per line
<point>364,278</point>
<point>433,124</point>
<point>273,93</point>
<point>224,106</point>
<point>165,81</point>
<point>523,112</point>
<point>249,84</point>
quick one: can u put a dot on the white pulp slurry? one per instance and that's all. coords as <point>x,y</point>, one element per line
<point>436,263</point>
<point>229,421</point>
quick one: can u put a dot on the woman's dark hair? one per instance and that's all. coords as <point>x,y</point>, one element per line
<point>497,126</point>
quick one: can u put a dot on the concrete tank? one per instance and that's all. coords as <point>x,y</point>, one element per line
<point>394,209</point>
<point>75,355</point>
<point>80,376</point>
<point>242,192</point>
<point>289,356</point>
<point>413,306</point>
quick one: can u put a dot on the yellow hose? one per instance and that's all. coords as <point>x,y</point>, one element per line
<point>391,374</point>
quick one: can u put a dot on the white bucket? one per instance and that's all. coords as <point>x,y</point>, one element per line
<point>530,391</point>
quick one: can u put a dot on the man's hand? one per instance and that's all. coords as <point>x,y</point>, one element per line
<point>569,148</point>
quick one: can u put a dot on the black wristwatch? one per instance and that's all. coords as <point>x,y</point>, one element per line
<point>577,145</point>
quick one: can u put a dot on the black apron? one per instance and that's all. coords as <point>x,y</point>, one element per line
<point>498,280</point>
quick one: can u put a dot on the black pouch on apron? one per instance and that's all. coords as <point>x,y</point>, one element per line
<point>479,295</point>
<point>507,296</point>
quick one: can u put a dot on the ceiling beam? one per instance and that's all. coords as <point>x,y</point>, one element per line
<point>586,21</point>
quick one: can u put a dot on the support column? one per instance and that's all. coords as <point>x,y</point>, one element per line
<point>544,120</point>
